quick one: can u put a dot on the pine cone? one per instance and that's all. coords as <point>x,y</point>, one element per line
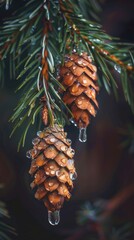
<point>78,76</point>
<point>52,167</point>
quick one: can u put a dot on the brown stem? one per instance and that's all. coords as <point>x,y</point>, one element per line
<point>45,53</point>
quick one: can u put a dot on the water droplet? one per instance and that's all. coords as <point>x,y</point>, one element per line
<point>117,68</point>
<point>50,184</point>
<point>72,151</point>
<point>82,135</point>
<point>73,176</point>
<point>84,81</point>
<point>63,148</point>
<point>72,120</point>
<point>58,173</point>
<point>35,141</point>
<point>89,58</point>
<point>40,134</point>
<point>31,153</point>
<point>28,154</point>
<point>69,140</point>
<point>32,29</point>
<point>54,217</point>
<point>63,160</point>
<point>71,162</point>
<point>80,62</point>
<point>74,50</point>
<point>79,102</point>
<point>96,40</point>
<point>51,167</point>
<point>74,67</point>
<point>59,28</point>
<point>52,140</point>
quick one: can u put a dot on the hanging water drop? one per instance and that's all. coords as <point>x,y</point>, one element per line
<point>54,217</point>
<point>82,135</point>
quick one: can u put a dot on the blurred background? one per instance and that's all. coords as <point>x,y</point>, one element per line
<point>102,203</point>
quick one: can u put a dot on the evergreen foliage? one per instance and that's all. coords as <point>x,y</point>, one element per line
<point>37,37</point>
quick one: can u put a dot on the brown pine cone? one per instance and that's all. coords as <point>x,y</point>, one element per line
<point>78,76</point>
<point>52,167</point>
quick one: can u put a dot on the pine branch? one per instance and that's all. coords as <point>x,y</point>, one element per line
<point>35,41</point>
<point>104,49</point>
<point>36,68</point>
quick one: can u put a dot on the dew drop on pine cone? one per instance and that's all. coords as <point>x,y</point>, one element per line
<point>82,135</point>
<point>69,141</point>
<point>70,162</point>
<point>35,141</point>
<point>31,153</point>
<point>40,134</point>
<point>80,62</point>
<point>57,173</point>
<point>54,217</point>
<point>28,154</point>
<point>73,176</point>
<point>73,151</point>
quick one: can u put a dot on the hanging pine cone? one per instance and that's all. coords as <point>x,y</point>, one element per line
<point>52,167</point>
<point>78,76</point>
